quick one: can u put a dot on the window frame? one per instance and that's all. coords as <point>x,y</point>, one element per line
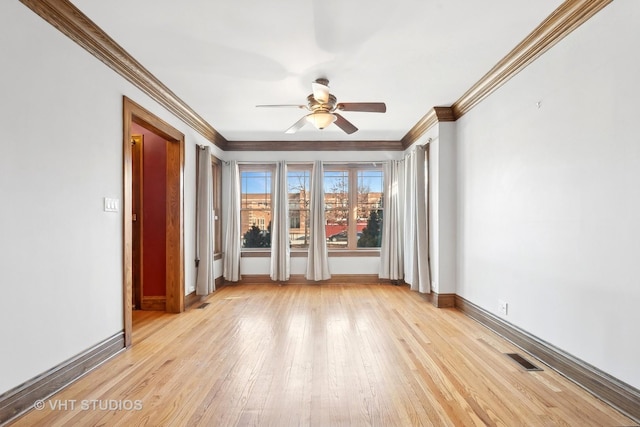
<point>352,197</point>
<point>353,168</point>
<point>256,167</point>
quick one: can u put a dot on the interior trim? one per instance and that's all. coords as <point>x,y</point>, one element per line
<point>618,394</point>
<point>566,18</point>
<point>440,300</point>
<point>21,399</point>
<point>191,298</point>
<point>134,113</point>
<point>78,27</point>
<point>314,146</point>
<point>434,116</point>
<point>154,303</point>
<point>337,253</point>
<point>71,21</point>
<point>299,279</point>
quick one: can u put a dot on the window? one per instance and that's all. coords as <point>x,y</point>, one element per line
<point>298,183</point>
<point>353,206</point>
<point>255,205</point>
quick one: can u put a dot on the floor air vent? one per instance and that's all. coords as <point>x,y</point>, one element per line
<point>524,362</point>
<point>203,305</point>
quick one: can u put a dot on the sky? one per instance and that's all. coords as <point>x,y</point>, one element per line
<point>259,182</point>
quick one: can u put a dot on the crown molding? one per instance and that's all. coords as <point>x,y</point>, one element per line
<point>566,18</point>
<point>562,21</point>
<point>314,146</point>
<point>435,115</point>
<point>72,22</point>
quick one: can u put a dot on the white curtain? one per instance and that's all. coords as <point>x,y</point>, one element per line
<point>205,283</point>
<point>231,265</point>
<point>280,248</point>
<point>392,249</point>
<point>416,245</point>
<point>317,258</point>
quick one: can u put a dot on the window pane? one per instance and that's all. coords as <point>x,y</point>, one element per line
<point>255,208</point>
<point>336,200</point>
<point>256,189</point>
<point>298,193</point>
<point>370,184</point>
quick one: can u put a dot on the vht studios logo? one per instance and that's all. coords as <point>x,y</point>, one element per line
<point>89,405</point>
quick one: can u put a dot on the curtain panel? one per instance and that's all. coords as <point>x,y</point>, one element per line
<point>317,258</point>
<point>416,244</point>
<point>392,246</point>
<point>280,247</point>
<point>231,264</point>
<point>205,283</point>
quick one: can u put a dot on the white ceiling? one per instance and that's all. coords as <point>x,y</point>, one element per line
<point>222,57</point>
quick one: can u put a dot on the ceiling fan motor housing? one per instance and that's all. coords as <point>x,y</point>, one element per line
<point>315,105</point>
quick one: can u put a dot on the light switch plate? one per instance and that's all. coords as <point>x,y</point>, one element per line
<point>111,205</point>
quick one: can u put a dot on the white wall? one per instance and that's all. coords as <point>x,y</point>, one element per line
<point>549,197</point>
<point>442,207</point>
<point>60,254</point>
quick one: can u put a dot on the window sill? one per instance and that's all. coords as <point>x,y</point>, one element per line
<point>354,253</point>
<point>255,253</point>
<point>302,253</point>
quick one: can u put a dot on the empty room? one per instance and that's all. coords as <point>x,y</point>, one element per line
<point>319,213</point>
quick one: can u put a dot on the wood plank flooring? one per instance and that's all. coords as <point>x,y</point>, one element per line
<point>318,355</point>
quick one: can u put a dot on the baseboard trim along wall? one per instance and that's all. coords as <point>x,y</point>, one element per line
<point>441,300</point>
<point>602,385</point>
<point>438,300</point>
<point>154,303</point>
<point>192,298</point>
<point>22,398</point>
<point>299,279</point>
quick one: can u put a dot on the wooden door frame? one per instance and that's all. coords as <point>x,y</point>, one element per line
<point>137,144</point>
<point>134,113</point>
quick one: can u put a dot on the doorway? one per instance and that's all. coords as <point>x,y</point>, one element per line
<point>138,120</point>
<point>137,207</point>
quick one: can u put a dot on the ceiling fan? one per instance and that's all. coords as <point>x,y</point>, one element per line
<point>323,106</point>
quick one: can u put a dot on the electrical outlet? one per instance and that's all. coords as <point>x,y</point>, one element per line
<point>503,306</point>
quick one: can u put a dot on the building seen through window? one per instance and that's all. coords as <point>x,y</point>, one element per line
<point>353,206</point>
<point>255,206</point>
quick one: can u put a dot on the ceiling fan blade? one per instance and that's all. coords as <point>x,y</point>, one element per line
<point>297,125</point>
<point>368,107</point>
<point>321,90</point>
<point>344,124</point>
<point>283,106</point>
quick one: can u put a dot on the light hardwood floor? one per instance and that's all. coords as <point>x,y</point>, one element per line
<point>325,355</point>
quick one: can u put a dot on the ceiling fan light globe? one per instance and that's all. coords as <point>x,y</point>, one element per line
<point>321,119</point>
